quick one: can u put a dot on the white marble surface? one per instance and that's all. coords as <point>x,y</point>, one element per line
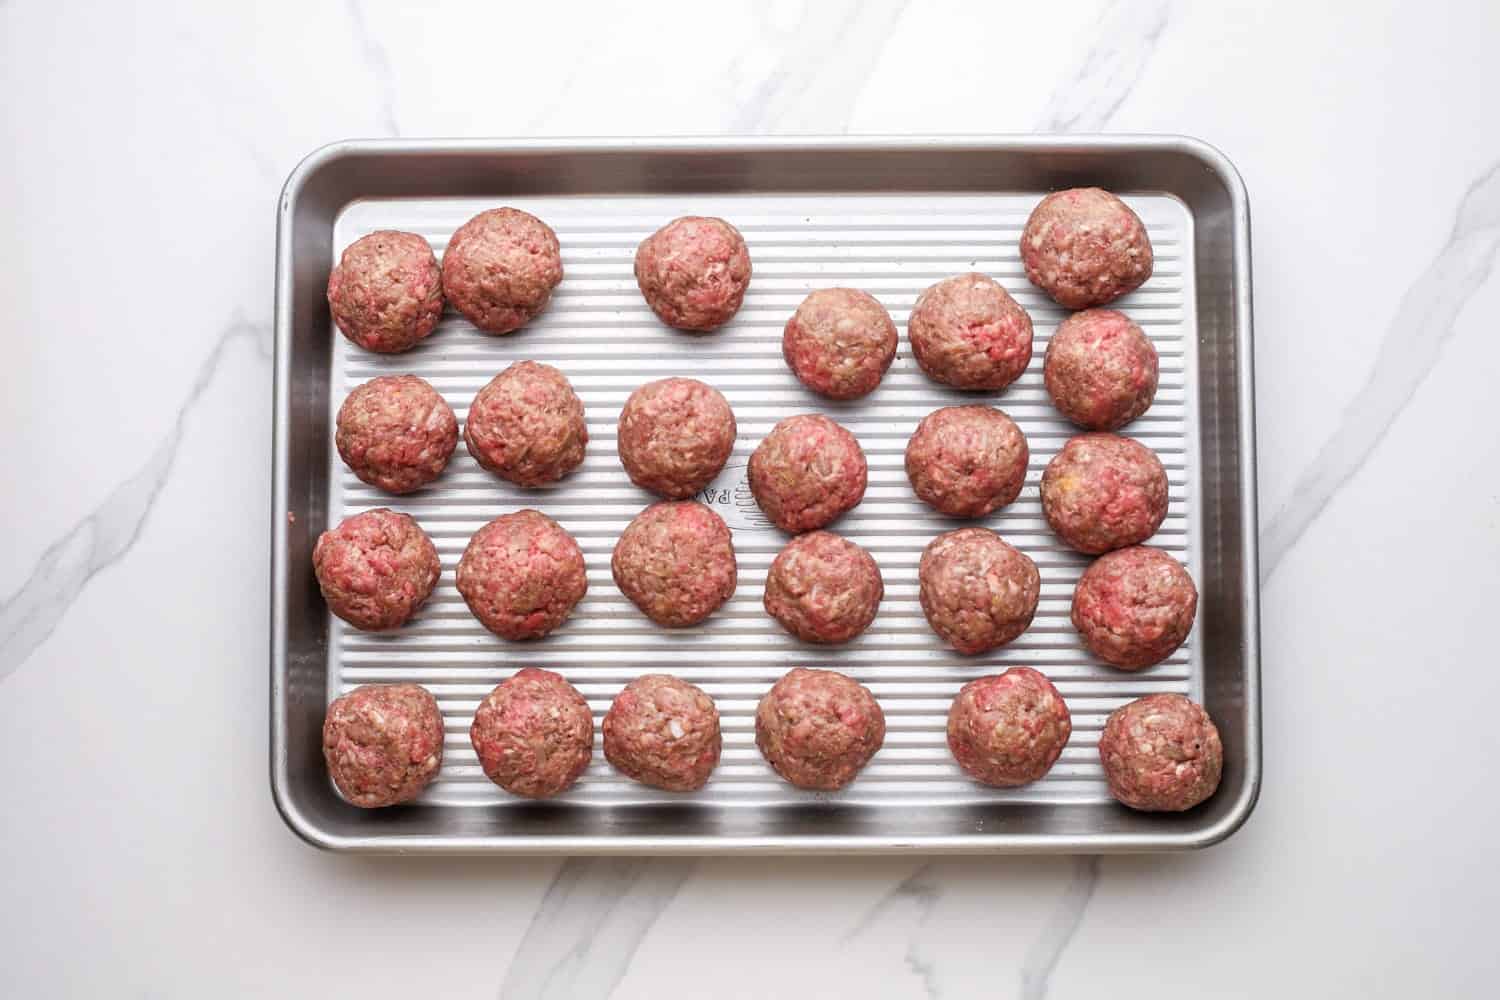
<point>146,149</point>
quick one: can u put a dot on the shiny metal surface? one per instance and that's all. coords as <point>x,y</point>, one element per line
<point>888,216</point>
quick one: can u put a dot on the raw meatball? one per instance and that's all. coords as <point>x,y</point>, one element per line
<point>1008,729</point>
<point>1103,492</point>
<point>385,294</point>
<point>823,588</point>
<point>693,272</point>
<point>967,461</point>
<point>1134,607</point>
<point>534,734</point>
<point>676,563</point>
<point>500,268</point>
<point>675,435</point>
<point>1100,369</point>
<point>663,732</point>
<point>977,591</point>
<point>383,743</point>
<point>527,425</point>
<point>967,332</point>
<point>375,569</point>
<point>839,342</point>
<point>807,472</point>
<point>396,433</point>
<point>1161,753</point>
<point>818,728</point>
<point>521,575</point>
<point>1085,247</point>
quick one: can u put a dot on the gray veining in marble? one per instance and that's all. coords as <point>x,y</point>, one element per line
<point>1127,35</point>
<point>28,616</point>
<point>824,63</point>
<point>379,64</point>
<point>1411,347</point>
<point>589,925</point>
<point>1045,952</point>
<point>918,895</point>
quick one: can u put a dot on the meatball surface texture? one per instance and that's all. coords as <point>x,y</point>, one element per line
<point>694,272</point>
<point>383,743</point>
<point>376,569</point>
<point>818,728</point>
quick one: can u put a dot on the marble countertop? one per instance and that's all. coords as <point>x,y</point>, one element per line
<point>147,148</point>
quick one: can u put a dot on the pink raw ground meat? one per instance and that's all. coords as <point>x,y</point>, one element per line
<point>1008,729</point>
<point>663,732</point>
<point>522,574</point>
<point>1161,753</point>
<point>383,743</point>
<point>376,568</point>
<point>386,293</point>
<point>818,728</point>
<point>823,588</point>
<point>675,435</point>
<point>807,472</point>
<point>968,333</point>
<point>396,433</point>
<point>533,734</point>
<point>839,342</point>
<point>967,461</point>
<point>676,563</point>
<point>1133,607</point>
<point>1103,492</point>
<point>500,269</point>
<point>1100,369</point>
<point>1085,247</point>
<point>693,272</point>
<point>977,591</point>
<point>527,425</point>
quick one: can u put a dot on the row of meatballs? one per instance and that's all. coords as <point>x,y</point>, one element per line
<point>817,729</point>
<point>523,573</point>
<point>1084,247</point>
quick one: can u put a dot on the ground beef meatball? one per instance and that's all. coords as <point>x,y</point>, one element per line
<point>522,574</point>
<point>807,472</point>
<point>1008,729</point>
<point>818,728</point>
<point>1100,369</point>
<point>1134,607</point>
<point>967,332</point>
<point>839,342</point>
<point>663,732</point>
<point>967,461</point>
<point>527,425</point>
<point>977,591</point>
<point>693,272</point>
<point>1161,753</point>
<point>500,269</point>
<point>1085,247</point>
<point>675,435</point>
<point>383,743</point>
<point>534,734</point>
<point>1103,492</point>
<point>396,433</point>
<point>385,294</point>
<point>823,588</point>
<point>376,569</point>
<point>676,563</point>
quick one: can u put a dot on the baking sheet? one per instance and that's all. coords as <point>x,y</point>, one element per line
<point>600,333</point>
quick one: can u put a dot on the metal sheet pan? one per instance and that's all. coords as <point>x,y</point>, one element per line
<point>889,216</point>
